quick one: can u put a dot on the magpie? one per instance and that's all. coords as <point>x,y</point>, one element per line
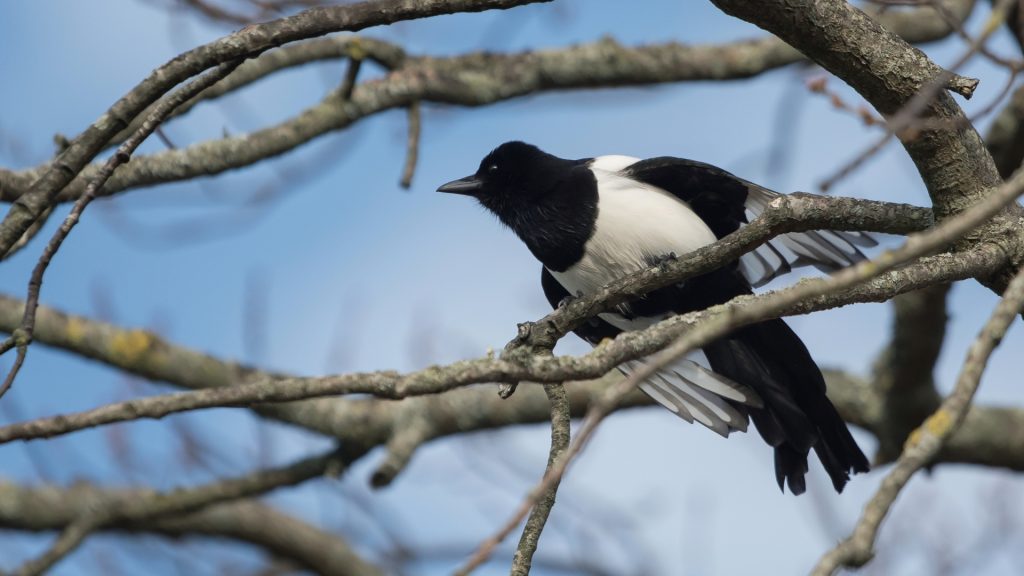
<point>594,220</point>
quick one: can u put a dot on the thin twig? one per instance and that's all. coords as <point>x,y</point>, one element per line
<point>412,144</point>
<point>70,538</point>
<point>121,156</point>
<point>521,561</point>
<point>926,441</point>
<point>348,83</point>
<point>560,435</point>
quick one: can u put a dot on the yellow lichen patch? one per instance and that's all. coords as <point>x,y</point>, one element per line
<point>129,345</point>
<point>75,329</point>
<point>937,424</point>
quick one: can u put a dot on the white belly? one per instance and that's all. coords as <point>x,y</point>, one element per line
<point>635,224</point>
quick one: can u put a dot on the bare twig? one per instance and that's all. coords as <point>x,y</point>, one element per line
<point>928,439</point>
<point>523,558</point>
<point>560,417</point>
<point>348,83</point>
<point>70,538</point>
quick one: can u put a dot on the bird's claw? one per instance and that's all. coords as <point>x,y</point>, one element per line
<point>568,299</point>
<point>664,259</point>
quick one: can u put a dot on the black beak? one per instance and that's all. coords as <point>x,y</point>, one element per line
<point>469,186</point>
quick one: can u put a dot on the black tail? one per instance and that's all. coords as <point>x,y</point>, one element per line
<point>797,416</point>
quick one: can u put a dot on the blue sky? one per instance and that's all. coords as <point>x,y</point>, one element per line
<point>355,274</point>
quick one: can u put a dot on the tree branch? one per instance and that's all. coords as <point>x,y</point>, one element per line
<point>53,508</point>
<point>903,372</point>
<point>187,500</point>
<point>560,416</point>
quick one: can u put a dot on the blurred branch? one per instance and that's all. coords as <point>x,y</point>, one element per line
<point>903,371</point>
<point>185,500</point>
<point>1006,135</point>
<point>469,80</point>
<point>927,441</point>
<point>54,508</point>
<point>29,234</point>
<point>412,144</point>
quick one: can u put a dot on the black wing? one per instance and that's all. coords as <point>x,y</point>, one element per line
<point>726,202</point>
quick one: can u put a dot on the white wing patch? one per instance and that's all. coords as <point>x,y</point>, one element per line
<point>613,163</point>
<point>695,393</point>
<point>826,250</point>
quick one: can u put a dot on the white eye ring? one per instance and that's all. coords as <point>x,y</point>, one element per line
<point>492,168</point>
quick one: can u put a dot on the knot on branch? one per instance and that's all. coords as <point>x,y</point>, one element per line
<point>532,339</point>
<point>22,337</point>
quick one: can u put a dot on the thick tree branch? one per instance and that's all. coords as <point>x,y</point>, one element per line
<point>122,511</point>
<point>903,371</point>
<point>47,508</point>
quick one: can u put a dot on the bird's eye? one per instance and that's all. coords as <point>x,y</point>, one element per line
<point>492,168</point>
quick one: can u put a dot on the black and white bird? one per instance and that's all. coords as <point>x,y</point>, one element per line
<point>594,220</point>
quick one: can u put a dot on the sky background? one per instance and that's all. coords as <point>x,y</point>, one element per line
<point>341,270</point>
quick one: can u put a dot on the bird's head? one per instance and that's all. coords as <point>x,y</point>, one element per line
<point>512,176</point>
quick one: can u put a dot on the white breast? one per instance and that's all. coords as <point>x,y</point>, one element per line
<point>635,224</point>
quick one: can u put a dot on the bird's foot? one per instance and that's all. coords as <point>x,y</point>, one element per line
<point>664,259</point>
<point>568,299</point>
